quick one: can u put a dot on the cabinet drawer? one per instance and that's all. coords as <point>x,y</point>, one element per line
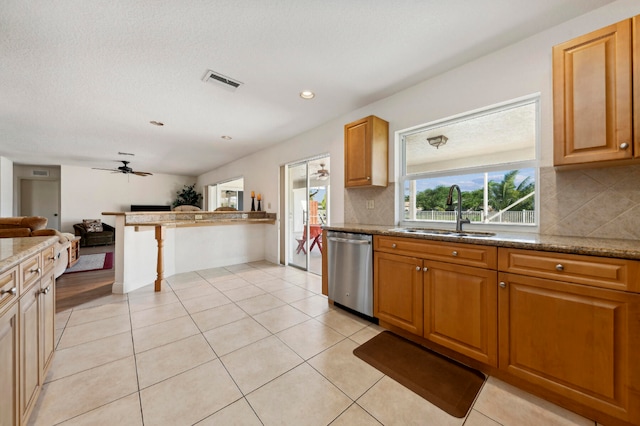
<point>49,258</point>
<point>467,254</point>
<point>619,274</point>
<point>29,270</point>
<point>8,287</point>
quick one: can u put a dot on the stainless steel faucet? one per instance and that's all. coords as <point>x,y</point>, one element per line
<point>459,219</point>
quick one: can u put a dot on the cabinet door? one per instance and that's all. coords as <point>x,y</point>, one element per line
<point>577,341</point>
<point>592,95</point>
<point>397,291</point>
<point>357,154</point>
<point>461,309</point>
<point>366,153</point>
<point>47,322</point>
<point>635,28</point>
<point>9,366</point>
<point>29,350</point>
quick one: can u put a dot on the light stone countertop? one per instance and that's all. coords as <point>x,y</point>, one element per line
<point>623,249</point>
<point>198,218</point>
<point>15,250</point>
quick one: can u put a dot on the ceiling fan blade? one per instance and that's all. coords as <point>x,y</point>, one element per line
<point>142,173</point>
<point>109,170</point>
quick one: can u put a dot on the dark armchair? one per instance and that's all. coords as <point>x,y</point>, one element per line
<point>87,238</point>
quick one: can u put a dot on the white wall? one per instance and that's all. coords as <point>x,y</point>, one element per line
<point>521,69</point>
<point>6,187</point>
<point>86,193</point>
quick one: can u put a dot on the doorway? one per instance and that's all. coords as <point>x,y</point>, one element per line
<point>40,198</point>
<point>307,199</point>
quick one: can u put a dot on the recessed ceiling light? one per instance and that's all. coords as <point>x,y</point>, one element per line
<point>157,123</point>
<point>225,137</point>
<point>307,94</point>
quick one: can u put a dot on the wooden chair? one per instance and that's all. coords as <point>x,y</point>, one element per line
<point>315,232</point>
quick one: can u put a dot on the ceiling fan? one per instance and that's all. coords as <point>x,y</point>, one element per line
<point>322,173</point>
<point>126,170</point>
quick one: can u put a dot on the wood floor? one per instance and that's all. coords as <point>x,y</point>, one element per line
<point>81,287</point>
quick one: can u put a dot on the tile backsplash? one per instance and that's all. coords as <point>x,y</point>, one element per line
<point>355,205</point>
<point>600,202</point>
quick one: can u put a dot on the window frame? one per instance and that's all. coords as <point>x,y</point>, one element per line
<point>403,178</point>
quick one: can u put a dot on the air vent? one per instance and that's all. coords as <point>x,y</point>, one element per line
<point>40,173</point>
<point>221,80</point>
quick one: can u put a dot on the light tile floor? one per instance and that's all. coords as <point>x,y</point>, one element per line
<point>247,344</point>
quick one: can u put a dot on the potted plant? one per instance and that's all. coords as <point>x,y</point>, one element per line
<point>188,196</point>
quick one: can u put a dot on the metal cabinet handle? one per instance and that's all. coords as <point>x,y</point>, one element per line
<point>45,290</point>
<point>13,291</point>
<point>425,269</point>
<point>559,267</point>
<point>56,257</point>
<point>418,268</point>
<point>455,253</point>
<point>393,245</point>
<point>35,271</point>
<point>624,145</point>
<point>368,177</point>
<point>502,284</point>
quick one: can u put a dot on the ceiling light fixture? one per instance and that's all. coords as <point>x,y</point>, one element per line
<point>437,141</point>
<point>307,94</point>
<point>157,123</point>
<point>225,137</point>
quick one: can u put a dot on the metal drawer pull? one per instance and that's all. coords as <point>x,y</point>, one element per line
<point>35,271</point>
<point>455,253</point>
<point>393,245</point>
<point>559,267</point>
<point>13,291</point>
<point>45,290</point>
<point>502,284</point>
<point>624,145</point>
<point>425,269</point>
<point>418,268</point>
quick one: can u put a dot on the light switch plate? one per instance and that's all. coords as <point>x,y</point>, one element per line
<point>198,216</point>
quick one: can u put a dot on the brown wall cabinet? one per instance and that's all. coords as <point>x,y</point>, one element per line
<point>366,153</point>
<point>595,82</point>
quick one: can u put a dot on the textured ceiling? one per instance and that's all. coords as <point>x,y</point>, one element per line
<point>80,80</point>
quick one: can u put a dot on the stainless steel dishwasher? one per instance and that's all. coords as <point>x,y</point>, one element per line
<point>350,270</point>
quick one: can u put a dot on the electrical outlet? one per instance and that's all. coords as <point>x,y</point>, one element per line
<point>198,216</point>
<point>245,215</point>
<point>370,204</point>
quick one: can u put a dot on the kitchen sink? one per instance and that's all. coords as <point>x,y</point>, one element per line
<point>426,231</point>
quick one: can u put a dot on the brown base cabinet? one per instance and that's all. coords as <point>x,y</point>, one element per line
<point>563,326</point>
<point>448,303</point>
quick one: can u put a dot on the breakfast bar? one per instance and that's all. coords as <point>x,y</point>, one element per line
<point>152,245</point>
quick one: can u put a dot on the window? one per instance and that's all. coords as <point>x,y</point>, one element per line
<point>226,194</point>
<point>490,154</point>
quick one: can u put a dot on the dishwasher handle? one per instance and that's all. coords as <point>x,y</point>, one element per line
<point>349,241</point>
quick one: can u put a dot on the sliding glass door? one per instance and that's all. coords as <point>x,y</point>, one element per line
<point>307,210</point>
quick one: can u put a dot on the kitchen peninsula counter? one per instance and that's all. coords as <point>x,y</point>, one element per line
<point>152,245</point>
<point>199,218</point>
<point>622,249</point>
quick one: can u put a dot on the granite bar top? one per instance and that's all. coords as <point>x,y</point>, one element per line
<point>15,250</point>
<point>198,218</point>
<point>623,249</point>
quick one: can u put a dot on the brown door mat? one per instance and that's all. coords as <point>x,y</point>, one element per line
<point>444,382</point>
